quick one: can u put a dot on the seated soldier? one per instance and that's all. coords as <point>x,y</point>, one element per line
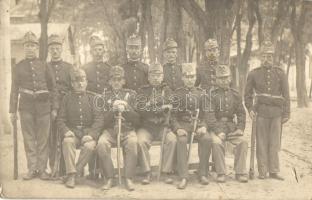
<point>80,123</point>
<point>227,105</point>
<point>153,105</point>
<point>118,100</point>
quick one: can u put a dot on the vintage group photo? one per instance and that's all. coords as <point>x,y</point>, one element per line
<point>156,99</point>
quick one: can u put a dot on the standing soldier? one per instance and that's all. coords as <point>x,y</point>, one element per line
<point>228,106</point>
<point>80,123</point>
<point>190,101</point>
<point>136,71</point>
<point>206,72</point>
<point>61,71</point>
<point>267,86</point>
<point>33,81</point>
<point>153,105</point>
<point>119,101</point>
<point>97,71</point>
<point>172,70</point>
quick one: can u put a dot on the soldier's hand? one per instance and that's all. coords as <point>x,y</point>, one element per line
<point>86,138</point>
<point>120,105</point>
<point>284,120</point>
<point>238,132</point>
<point>222,136</point>
<point>53,114</point>
<point>69,134</point>
<point>181,132</point>
<point>201,131</point>
<point>252,115</point>
<point>166,108</point>
<point>13,117</point>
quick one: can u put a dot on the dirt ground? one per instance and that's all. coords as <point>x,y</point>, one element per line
<point>295,156</point>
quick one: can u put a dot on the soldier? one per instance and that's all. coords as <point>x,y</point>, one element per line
<point>228,106</point>
<point>61,71</point>
<point>268,87</point>
<point>34,82</point>
<point>206,72</point>
<point>153,105</point>
<point>97,71</point>
<point>118,100</point>
<point>80,123</point>
<point>189,100</point>
<point>172,70</point>
<point>136,71</point>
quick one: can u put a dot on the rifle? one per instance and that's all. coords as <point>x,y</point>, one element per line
<point>192,135</point>
<point>15,146</point>
<point>252,149</point>
<point>164,134</point>
<point>57,160</point>
<point>118,147</point>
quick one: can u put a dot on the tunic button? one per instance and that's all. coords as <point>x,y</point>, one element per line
<point>79,96</point>
<point>80,116</point>
<point>97,72</point>
<point>30,62</point>
<point>56,71</point>
<point>33,75</point>
<point>32,68</point>
<point>134,77</point>
<point>269,88</point>
<point>79,102</point>
<point>98,85</point>
<point>57,78</point>
<point>80,110</point>
<point>56,66</point>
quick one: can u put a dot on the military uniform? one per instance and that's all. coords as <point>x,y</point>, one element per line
<point>187,101</point>
<point>228,108</point>
<point>61,71</point>
<point>34,83</point>
<point>130,121</point>
<point>270,87</point>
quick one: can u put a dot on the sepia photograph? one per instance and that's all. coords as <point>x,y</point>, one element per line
<point>156,99</point>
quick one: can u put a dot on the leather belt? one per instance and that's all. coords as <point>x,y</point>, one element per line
<point>31,92</point>
<point>269,95</point>
<point>224,119</point>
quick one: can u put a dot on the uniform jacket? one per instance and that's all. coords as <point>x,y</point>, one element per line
<point>173,76</point>
<point>79,114</point>
<point>267,83</point>
<point>97,76</point>
<point>206,75</point>
<point>136,75</point>
<point>229,110</point>
<point>33,75</point>
<point>61,71</point>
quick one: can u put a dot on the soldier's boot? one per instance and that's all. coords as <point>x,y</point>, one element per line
<point>147,179</point>
<point>30,175</point>
<point>44,175</point>
<point>262,176</point>
<point>129,184</point>
<point>169,180</point>
<point>204,180</point>
<point>182,185</point>
<point>71,181</point>
<point>221,178</point>
<point>243,178</point>
<point>108,185</point>
<point>276,176</point>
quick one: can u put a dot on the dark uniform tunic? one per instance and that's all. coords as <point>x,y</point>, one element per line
<point>35,84</point>
<point>130,121</point>
<point>185,104</point>
<point>97,76</point>
<point>271,90</point>
<point>136,74</point>
<point>230,115</point>
<point>173,76</point>
<point>150,101</point>
<point>79,115</point>
<point>206,75</point>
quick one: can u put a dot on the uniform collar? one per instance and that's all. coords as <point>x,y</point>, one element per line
<point>56,62</point>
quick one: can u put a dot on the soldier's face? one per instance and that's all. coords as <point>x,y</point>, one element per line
<point>267,59</point>
<point>117,83</point>
<point>134,52</point>
<point>170,55</point>
<point>30,50</point>
<point>224,82</point>
<point>212,54</point>
<point>80,85</point>
<point>155,79</point>
<point>189,80</point>
<point>97,52</point>
<point>55,51</point>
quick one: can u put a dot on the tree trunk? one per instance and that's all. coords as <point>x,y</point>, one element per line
<point>5,65</point>
<point>43,41</point>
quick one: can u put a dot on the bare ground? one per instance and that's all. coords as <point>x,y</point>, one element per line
<point>296,155</point>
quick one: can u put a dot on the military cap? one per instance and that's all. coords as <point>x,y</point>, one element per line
<point>95,40</point>
<point>55,39</point>
<point>116,72</point>
<point>267,47</point>
<point>134,40</point>
<point>156,68</point>
<point>223,70</point>
<point>211,44</point>
<point>30,37</point>
<point>188,69</point>
<point>169,44</point>
<point>77,75</point>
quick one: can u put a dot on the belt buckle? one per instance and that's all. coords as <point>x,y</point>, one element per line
<point>79,127</point>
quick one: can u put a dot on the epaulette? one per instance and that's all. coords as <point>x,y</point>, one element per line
<point>145,86</point>
<point>280,70</point>
<point>256,69</point>
<point>179,89</point>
